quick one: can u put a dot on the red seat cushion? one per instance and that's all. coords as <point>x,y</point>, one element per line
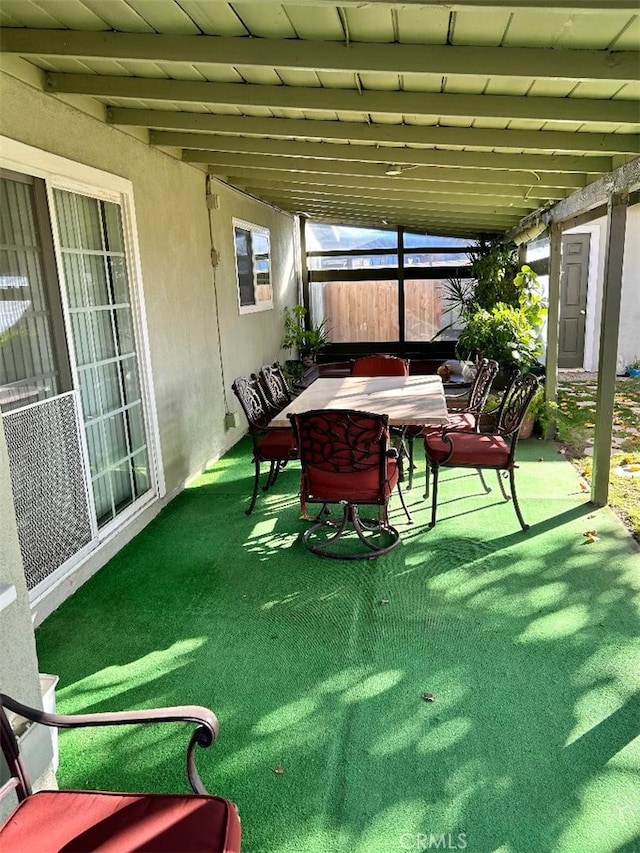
<point>360,486</point>
<point>74,821</point>
<point>275,444</point>
<point>469,448</point>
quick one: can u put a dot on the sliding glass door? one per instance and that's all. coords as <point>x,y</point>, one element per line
<point>99,306</point>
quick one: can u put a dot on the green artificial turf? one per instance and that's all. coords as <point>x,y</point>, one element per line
<point>528,641</point>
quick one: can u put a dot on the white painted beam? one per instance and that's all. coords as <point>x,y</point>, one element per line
<point>625,178</point>
<point>615,112</point>
<point>321,56</point>
<point>548,185</point>
<point>406,134</point>
<point>538,163</point>
<point>547,6</point>
<point>483,194</point>
<point>436,203</point>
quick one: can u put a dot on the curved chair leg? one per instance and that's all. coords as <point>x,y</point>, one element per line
<point>483,481</point>
<point>404,506</point>
<point>516,505</point>
<point>256,484</point>
<point>502,488</point>
<point>410,440</point>
<point>362,527</point>
<point>434,497</point>
<point>270,479</point>
<point>427,475</point>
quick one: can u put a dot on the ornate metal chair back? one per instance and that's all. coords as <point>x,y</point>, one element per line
<point>380,365</point>
<point>253,402</point>
<point>342,442</point>
<point>275,385</point>
<point>481,387</point>
<point>515,403</point>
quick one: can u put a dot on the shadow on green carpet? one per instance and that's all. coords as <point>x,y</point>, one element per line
<point>528,641</point>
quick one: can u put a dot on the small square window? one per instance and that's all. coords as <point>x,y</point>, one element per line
<point>253,266</point>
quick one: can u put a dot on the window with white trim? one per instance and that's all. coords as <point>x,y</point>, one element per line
<point>252,247</point>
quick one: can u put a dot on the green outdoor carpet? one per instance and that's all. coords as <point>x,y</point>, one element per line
<point>528,641</point>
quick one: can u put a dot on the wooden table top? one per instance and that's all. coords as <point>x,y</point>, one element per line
<point>407,400</point>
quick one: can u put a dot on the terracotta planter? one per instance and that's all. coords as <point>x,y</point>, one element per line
<point>526,428</point>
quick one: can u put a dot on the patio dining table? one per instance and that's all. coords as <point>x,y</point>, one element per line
<point>407,400</point>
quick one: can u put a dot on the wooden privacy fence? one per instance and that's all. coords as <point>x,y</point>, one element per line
<point>361,311</point>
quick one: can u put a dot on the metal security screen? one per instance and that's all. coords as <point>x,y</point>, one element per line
<point>48,484</point>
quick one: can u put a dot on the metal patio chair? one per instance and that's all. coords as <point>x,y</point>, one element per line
<point>346,460</point>
<point>275,386</point>
<point>273,445</point>
<point>455,448</point>
<point>391,365</point>
<point>56,821</point>
<point>380,365</point>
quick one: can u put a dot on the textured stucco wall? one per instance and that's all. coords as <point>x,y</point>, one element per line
<point>251,340</point>
<point>18,662</point>
<point>175,253</point>
<point>174,242</point>
<point>628,339</point>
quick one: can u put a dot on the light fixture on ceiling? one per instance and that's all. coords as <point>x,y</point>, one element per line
<point>394,170</point>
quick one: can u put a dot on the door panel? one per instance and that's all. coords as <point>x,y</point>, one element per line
<point>573,299</point>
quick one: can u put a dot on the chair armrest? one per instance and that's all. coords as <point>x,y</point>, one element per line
<point>203,736</point>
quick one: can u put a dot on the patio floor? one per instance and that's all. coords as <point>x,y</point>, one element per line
<point>528,641</point>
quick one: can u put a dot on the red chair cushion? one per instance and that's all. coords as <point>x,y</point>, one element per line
<point>469,448</point>
<point>379,365</point>
<point>358,487</point>
<point>275,444</point>
<point>74,821</point>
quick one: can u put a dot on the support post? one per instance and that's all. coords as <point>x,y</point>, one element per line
<point>401,294</point>
<point>553,320</point>
<point>302,266</point>
<point>609,330</point>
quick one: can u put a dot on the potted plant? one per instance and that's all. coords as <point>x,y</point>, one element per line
<point>540,412</point>
<point>308,341</point>
<point>508,333</point>
<point>633,369</point>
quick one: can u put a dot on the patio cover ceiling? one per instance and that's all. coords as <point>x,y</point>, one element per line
<point>485,112</point>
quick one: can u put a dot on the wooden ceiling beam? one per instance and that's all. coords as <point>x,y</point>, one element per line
<point>479,203</point>
<point>376,216</point>
<point>546,6</point>
<point>447,210</point>
<point>376,133</point>
<point>309,99</point>
<point>304,166</point>
<point>322,56</point>
<point>624,179</point>
<point>538,163</point>
<point>425,189</point>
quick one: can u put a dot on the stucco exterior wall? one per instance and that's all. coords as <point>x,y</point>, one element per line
<point>628,341</point>
<point>175,245</point>
<point>250,340</point>
<point>182,290</point>
<point>18,661</point>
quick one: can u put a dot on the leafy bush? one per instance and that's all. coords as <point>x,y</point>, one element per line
<point>495,271</point>
<point>509,334</point>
